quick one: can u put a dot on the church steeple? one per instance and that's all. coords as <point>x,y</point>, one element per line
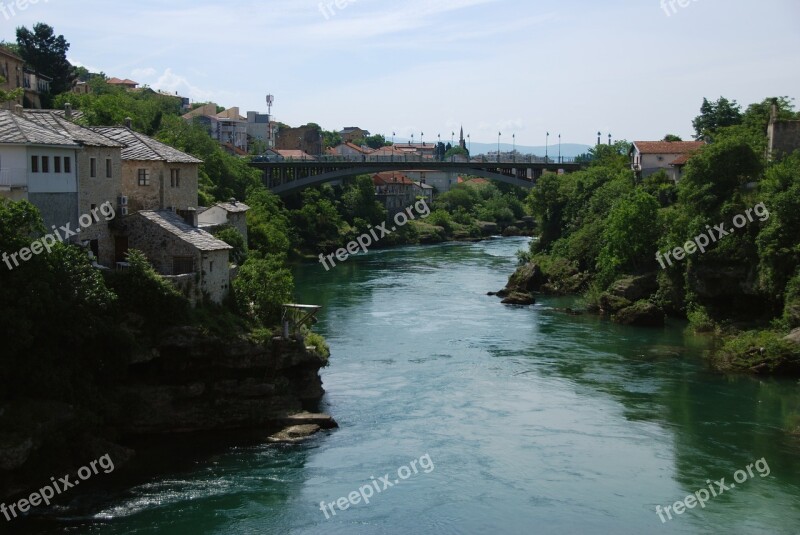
<point>461,142</point>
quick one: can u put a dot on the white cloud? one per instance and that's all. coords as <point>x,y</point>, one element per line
<point>172,82</point>
<point>144,73</point>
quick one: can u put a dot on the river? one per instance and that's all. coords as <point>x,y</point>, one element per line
<point>517,421</point>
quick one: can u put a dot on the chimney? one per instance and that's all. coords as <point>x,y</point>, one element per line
<point>191,217</point>
<point>68,110</point>
<point>128,122</point>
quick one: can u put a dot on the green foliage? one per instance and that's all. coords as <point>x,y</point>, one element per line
<point>268,226</point>
<point>330,139</point>
<point>142,291</point>
<point>758,351</point>
<point>716,172</point>
<point>672,138</point>
<point>234,238</point>
<point>630,236</point>
<point>716,115</point>
<point>10,96</point>
<point>317,221</point>
<point>662,187</point>
<point>441,218</point>
<point>262,287</point>
<point>778,246</point>
<point>47,353</point>
<point>222,175</point>
<point>358,202</point>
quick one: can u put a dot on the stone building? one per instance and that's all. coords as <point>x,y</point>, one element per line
<point>394,190</point>
<point>232,213</point>
<point>11,68</point>
<point>784,136</point>
<point>155,176</point>
<point>194,260</point>
<point>38,164</point>
<point>305,138</point>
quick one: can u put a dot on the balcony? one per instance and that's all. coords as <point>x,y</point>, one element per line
<point>13,178</point>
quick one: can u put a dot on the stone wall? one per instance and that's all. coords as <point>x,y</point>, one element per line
<point>784,138</point>
<point>57,208</point>
<point>159,194</point>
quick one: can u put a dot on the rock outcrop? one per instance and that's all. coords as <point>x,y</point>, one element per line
<point>641,314</point>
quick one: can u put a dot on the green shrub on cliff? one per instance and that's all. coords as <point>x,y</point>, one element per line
<point>263,285</point>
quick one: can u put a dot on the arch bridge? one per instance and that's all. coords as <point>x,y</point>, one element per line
<point>287,177</point>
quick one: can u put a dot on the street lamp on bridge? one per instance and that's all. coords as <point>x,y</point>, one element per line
<point>498,146</point>
<point>559,148</point>
<point>546,146</point>
<point>514,150</point>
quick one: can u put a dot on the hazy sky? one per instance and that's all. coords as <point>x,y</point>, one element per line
<point>519,66</point>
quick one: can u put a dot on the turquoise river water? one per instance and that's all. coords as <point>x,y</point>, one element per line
<point>516,420</point>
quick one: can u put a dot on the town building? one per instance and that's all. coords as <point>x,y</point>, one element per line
<point>38,165</point>
<point>191,258</point>
<point>348,151</point>
<point>35,85</point>
<point>232,213</point>
<point>99,173</point>
<point>305,138</point>
<point>124,83</point>
<point>11,69</point>
<point>441,181</point>
<point>648,157</point>
<point>155,176</point>
<point>261,129</point>
<point>353,133</point>
<point>394,190</point>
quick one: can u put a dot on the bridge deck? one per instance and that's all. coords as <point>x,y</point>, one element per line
<point>287,177</point>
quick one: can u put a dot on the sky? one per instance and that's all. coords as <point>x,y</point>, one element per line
<point>635,69</point>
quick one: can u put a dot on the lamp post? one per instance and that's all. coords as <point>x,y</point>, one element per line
<point>441,156</point>
<point>598,138</point>
<point>498,146</point>
<point>469,142</point>
<point>514,144</point>
<point>609,140</point>
<point>546,146</point>
<point>559,148</point>
<point>452,138</point>
<point>392,155</point>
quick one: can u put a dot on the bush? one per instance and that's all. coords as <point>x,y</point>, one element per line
<point>758,351</point>
<point>234,238</point>
<point>262,287</point>
<point>441,218</point>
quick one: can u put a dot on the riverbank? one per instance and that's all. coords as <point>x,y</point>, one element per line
<point>190,382</point>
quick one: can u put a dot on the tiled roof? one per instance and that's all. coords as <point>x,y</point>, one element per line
<point>682,159</point>
<point>391,177</point>
<point>140,148</point>
<point>19,130</point>
<point>54,121</point>
<point>173,223</point>
<point>357,148</point>
<point>233,208</point>
<point>117,81</point>
<point>667,147</point>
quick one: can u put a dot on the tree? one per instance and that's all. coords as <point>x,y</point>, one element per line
<point>716,115</point>
<point>630,236</point>
<point>262,287</point>
<point>672,137</point>
<point>47,54</point>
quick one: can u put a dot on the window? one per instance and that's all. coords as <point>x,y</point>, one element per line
<point>34,164</point>
<point>144,177</point>
<point>175,178</point>
<point>93,167</point>
<point>182,265</point>
<point>109,168</point>
<point>45,164</point>
<point>67,164</point>
<point>56,164</point>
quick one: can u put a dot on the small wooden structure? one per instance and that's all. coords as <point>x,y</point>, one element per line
<point>295,316</point>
